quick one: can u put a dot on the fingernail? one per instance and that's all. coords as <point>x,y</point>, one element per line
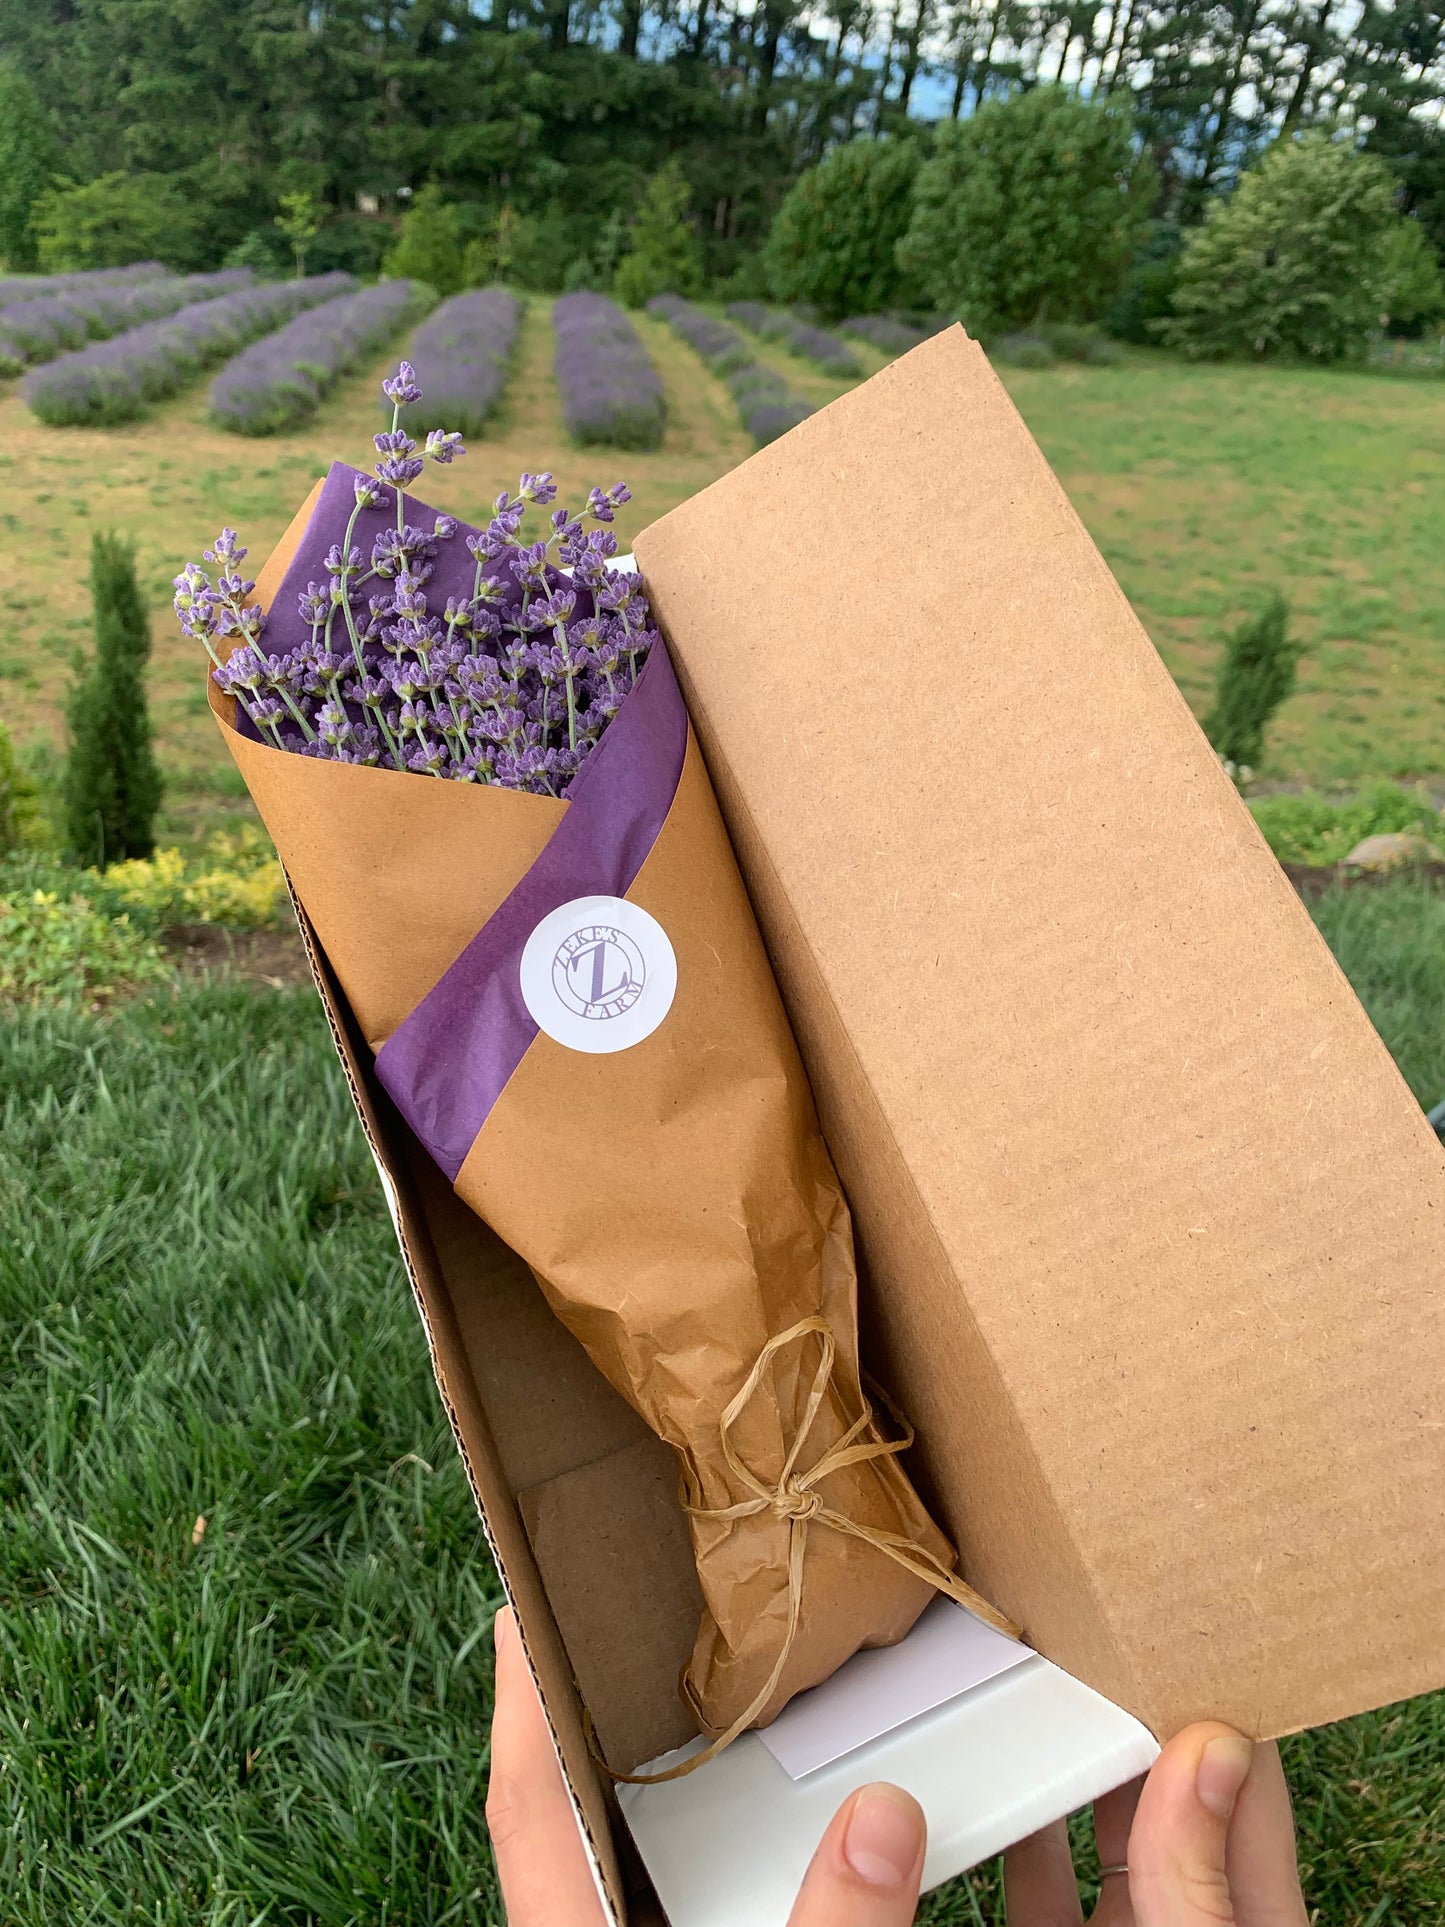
<point>883,1840</point>
<point>1223,1766</point>
<point>501,1626</point>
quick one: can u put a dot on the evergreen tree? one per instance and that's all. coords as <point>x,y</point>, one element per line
<point>663,256</point>
<point>1256,675</point>
<point>112,786</point>
<point>432,245</point>
<point>28,155</point>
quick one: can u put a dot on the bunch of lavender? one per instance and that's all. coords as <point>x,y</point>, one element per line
<point>513,684</point>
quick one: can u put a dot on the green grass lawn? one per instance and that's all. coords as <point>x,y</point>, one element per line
<point>281,1718</point>
<point>1204,486</point>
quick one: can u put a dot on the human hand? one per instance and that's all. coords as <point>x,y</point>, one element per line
<point>865,1872</point>
<point>1208,1839</point>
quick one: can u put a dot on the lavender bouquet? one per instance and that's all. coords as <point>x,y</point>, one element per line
<point>511,682</point>
<point>555,963</point>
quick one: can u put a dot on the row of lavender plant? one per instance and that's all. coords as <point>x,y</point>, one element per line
<point>38,330</point>
<point>611,393</point>
<point>466,348</point>
<point>831,354</point>
<point>119,379</point>
<point>31,287</point>
<point>279,381</point>
<point>767,407</point>
<point>890,335</point>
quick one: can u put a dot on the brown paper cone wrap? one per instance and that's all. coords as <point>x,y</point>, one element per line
<point>675,1200</point>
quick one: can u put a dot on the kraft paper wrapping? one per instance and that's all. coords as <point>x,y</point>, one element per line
<point>675,1200</point>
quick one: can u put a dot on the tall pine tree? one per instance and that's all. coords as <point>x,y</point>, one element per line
<point>112,786</point>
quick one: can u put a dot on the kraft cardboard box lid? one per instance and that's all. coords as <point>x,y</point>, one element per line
<point>1155,1230</point>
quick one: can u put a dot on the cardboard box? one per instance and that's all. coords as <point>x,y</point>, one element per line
<point>1153,1231</point>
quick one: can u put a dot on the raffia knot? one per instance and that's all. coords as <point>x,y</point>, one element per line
<point>793,1501</point>
<point>800,1506</point>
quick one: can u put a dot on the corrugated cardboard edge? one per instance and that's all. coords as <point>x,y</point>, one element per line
<point>540,1641</point>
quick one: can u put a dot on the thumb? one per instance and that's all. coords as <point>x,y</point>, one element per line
<point>868,1864</point>
<point>1177,1862</point>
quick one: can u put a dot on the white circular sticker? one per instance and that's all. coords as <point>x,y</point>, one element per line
<point>599,974</point>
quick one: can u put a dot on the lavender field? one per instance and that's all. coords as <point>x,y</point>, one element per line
<point>119,379</point>
<point>466,348</point>
<point>278,382</point>
<point>611,394</point>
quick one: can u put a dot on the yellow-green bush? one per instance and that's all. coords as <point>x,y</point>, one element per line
<point>68,933</point>
<point>57,945</point>
<point>239,883</point>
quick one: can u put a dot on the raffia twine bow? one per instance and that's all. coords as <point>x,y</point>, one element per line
<point>795,1498</point>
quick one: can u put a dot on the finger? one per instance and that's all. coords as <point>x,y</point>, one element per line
<point>1178,1875</point>
<point>1113,1818</point>
<point>1261,1857</point>
<point>868,1866</point>
<point>1038,1881</point>
<point>541,1863</point>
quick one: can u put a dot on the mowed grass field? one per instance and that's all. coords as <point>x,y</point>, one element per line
<point>1204,486</point>
<point>245,1607</point>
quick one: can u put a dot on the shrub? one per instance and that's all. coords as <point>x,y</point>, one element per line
<point>1295,262</point>
<point>1071,342</point>
<point>239,883</point>
<point>431,243</point>
<point>118,218</point>
<point>112,786</point>
<point>264,252</point>
<point>834,240</point>
<point>18,809</point>
<point>1022,350</point>
<point>888,334</point>
<point>1031,210</point>
<point>1312,829</point>
<point>830,352</point>
<point>1256,674</point>
<point>298,223</point>
<point>56,944</point>
<point>766,406</point>
<point>1414,292</point>
<point>279,380</point>
<point>88,933</point>
<point>1147,297</point>
<point>117,380</point>
<point>351,244</point>
<point>663,256</point>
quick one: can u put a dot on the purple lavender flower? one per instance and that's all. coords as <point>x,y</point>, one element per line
<point>766,406</point>
<point>611,392</point>
<point>118,380</point>
<point>512,683</point>
<point>280,380</point>
<point>401,389</point>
